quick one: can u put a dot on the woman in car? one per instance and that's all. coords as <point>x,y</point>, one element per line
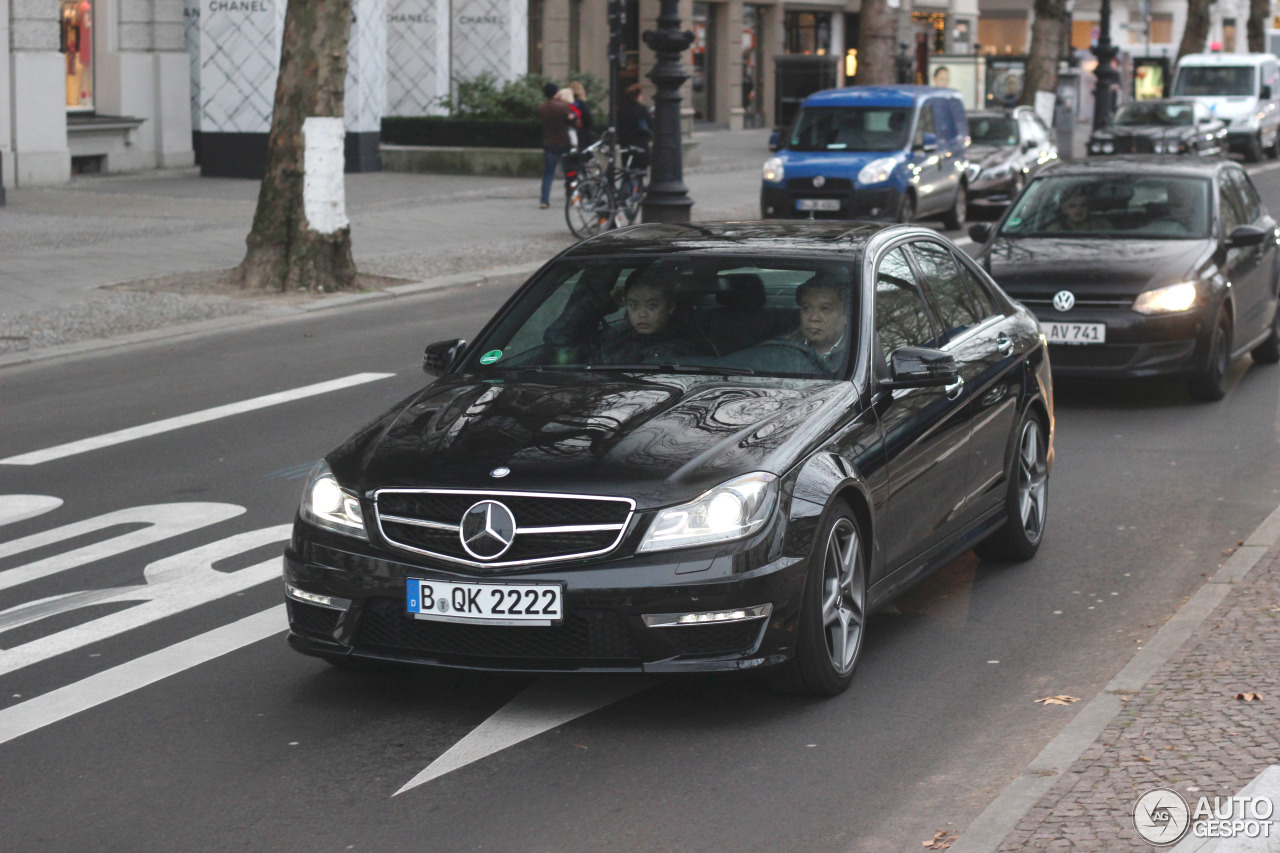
<point>655,330</point>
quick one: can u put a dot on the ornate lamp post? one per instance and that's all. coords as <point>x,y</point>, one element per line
<point>1108,78</point>
<point>668,198</point>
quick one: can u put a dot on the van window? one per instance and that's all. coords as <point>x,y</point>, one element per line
<point>1219,80</point>
<point>850,129</point>
<point>943,122</point>
<point>923,125</point>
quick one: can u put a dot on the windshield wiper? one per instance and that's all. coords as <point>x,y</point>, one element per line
<point>671,367</point>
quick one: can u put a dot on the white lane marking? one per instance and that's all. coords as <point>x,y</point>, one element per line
<point>168,424</point>
<point>174,584</point>
<point>164,520</point>
<point>21,507</point>
<point>118,681</point>
<point>546,704</point>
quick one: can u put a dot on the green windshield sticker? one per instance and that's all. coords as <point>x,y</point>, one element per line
<point>1015,221</point>
<point>491,356</point>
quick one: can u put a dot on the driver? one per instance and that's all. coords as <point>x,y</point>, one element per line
<point>824,319</point>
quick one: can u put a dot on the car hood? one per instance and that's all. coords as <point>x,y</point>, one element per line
<point>805,164</point>
<point>657,439</point>
<point>1145,131</point>
<point>990,155</point>
<point>1031,267</point>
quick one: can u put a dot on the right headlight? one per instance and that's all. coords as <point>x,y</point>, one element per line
<point>326,504</point>
<point>773,170</point>
<point>1169,299</point>
<point>877,171</point>
<point>731,510</point>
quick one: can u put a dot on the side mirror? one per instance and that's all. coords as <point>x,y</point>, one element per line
<point>775,141</point>
<point>1265,92</point>
<point>1246,235</point>
<point>930,143</point>
<point>921,367</point>
<point>440,356</point>
<point>980,232</point>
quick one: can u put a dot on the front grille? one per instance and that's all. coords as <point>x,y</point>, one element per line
<point>312,619</point>
<point>548,527</point>
<point>585,635</point>
<point>1048,312</point>
<point>831,184</point>
<point>1085,355</point>
<point>723,639</point>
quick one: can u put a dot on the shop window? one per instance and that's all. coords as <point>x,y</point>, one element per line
<point>535,36</point>
<point>630,71</point>
<point>933,26</point>
<point>1229,35</point>
<point>77,51</point>
<point>1161,30</point>
<point>575,36</point>
<point>1003,33</point>
<point>1083,34</point>
<point>752,60</point>
<point>808,33</point>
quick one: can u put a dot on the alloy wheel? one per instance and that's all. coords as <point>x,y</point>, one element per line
<point>1033,476</point>
<point>843,595</point>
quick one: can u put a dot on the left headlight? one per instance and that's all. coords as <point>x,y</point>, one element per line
<point>1167,300</point>
<point>731,510</point>
<point>326,504</point>
<point>877,171</point>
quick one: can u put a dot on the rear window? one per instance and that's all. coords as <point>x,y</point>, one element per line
<point>1219,80</point>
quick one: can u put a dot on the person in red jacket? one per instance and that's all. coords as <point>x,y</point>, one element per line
<point>556,117</point>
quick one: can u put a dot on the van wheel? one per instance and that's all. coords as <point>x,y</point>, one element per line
<point>907,213</point>
<point>1253,148</point>
<point>954,218</point>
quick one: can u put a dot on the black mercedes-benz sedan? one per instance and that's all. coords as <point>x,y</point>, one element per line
<point>1006,149</point>
<point>1143,267</point>
<point>685,448</point>
<point>1169,126</point>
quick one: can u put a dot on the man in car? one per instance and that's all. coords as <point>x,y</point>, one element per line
<point>824,319</point>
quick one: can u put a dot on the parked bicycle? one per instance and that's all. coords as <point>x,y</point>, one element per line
<point>603,193</point>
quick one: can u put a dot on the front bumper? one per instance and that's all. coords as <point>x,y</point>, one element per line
<point>1137,346</point>
<point>882,203</point>
<point>604,602</point>
<point>990,194</point>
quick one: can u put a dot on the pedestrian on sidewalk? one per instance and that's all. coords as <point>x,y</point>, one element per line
<point>587,134</point>
<point>556,117</point>
<point>635,125</point>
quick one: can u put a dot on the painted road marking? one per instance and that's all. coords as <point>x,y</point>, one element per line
<point>15,508</point>
<point>56,705</point>
<point>544,705</point>
<point>170,424</point>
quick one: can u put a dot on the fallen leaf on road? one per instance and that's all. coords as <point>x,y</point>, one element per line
<point>1249,697</point>
<point>1057,700</point>
<point>941,840</point>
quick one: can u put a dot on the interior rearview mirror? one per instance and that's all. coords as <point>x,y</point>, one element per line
<point>437,358</point>
<point>921,367</point>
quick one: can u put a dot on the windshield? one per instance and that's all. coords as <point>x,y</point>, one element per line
<point>1112,205</point>
<point>993,130</point>
<point>851,129</point>
<point>1220,80</point>
<point>1146,113</point>
<point>679,314</point>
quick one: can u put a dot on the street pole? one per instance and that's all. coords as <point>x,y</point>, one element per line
<point>668,198</point>
<point>617,20</point>
<point>1108,78</point>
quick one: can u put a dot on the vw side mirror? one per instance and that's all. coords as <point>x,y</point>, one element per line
<point>980,232</point>
<point>921,367</point>
<point>1246,235</point>
<point>437,358</point>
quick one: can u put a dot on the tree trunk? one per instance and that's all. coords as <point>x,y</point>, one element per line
<point>878,31</point>
<point>1257,28</point>
<point>1197,29</point>
<point>1046,45</point>
<point>285,250</point>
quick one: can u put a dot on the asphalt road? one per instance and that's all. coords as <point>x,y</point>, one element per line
<point>148,700</point>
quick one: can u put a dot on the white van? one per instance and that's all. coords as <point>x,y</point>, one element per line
<point>1242,89</point>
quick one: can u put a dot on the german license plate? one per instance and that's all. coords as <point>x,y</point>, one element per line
<point>486,603</point>
<point>1075,333</point>
<point>817,204</point>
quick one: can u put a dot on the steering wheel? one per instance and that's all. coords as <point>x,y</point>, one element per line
<point>796,353</point>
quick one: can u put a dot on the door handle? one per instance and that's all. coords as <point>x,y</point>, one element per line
<point>1004,344</point>
<point>953,389</point>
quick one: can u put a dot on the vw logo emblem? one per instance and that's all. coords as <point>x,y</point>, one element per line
<point>500,471</point>
<point>487,530</point>
<point>819,181</point>
<point>1064,300</point>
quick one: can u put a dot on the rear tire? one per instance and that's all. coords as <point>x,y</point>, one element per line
<point>907,212</point>
<point>1211,383</point>
<point>1253,148</point>
<point>1027,500</point>
<point>1268,352</point>
<point>1273,150</point>
<point>955,217</point>
<point>832,612</point>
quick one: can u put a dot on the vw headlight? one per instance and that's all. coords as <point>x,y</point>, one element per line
<point>328,505</point>
<point>1167,300</point>
<point>731,510</point>
<point>877,171</point>
<point>774,170</point>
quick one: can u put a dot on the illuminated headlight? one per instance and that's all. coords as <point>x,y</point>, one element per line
<point>732,510</point>
<point>1158,147</point>
<point>877,171</point>
<point>328,505</point>
<point>999,173</point>
<point>707,617</point>
<point>773,170</point>
<point>1108,148</point>
<point>973,172</point>
<point>1167,300</point>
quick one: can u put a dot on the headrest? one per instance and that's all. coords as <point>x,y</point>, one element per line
<point>740,290</point>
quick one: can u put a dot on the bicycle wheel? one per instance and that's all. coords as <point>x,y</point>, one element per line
<point>588,208</point>
<point>632,195</point>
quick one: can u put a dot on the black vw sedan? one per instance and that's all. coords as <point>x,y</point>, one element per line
<point>685,448</point>
<point>1171,126</point>
<point>1143,267</point>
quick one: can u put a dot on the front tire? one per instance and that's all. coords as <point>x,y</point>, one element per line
<point>1211,383</point>
<point>907,212</point>
<point>1027,501</point>
<point>955,217</point>
<point>1253,148</point>
<point>832,612</point>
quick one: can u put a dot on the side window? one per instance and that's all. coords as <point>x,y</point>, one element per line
<point>901,317</point>
<point>946,289</point>
<point>923,125</point>
<point>943,122</point>
<point>1246,196</point>
<point>1232,217</point>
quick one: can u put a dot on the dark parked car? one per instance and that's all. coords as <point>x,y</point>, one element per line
<point>1172,126</point>
<point>1143,267</point>
<point>1006,149</point>
<point>685,448</point>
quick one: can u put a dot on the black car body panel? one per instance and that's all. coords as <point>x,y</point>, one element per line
<point>924,469</point>
<point>999,168</point>
<point>1168,126</point>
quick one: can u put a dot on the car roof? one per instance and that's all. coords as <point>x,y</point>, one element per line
<point>1225,59</point>
<point>799,237</point>
<point>889,96</point>
<point>1142,164</point>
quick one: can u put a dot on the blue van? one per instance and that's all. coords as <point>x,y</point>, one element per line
<point>871,152</point>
